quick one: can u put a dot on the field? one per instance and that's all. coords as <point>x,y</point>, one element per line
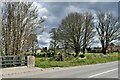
<point>91,58</point>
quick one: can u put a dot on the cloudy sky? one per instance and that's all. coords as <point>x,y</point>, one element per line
<point>53,12</point>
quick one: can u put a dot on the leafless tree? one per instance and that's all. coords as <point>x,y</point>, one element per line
<point>108,29</point>
<point>1,48</point>
<point>19,21</point>
<point>88,30</point>
<point>55,38</point>
<point>75,29</point>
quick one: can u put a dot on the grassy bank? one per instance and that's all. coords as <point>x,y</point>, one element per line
<point>90,59</point>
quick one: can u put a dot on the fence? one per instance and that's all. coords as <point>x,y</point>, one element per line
<point>13,61</point>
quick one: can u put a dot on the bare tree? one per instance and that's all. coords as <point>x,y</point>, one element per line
<point>19,21</point>
<point>76,31</point>
<point>71,29</point>
<point>55,38</point>
<point>108,29</point>
<point>88,30</point>
<point>1,45</point>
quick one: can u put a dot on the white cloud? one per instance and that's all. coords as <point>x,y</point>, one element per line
<point>44,39</point>
<point>41,10</point>
<point>51,19</point>
<point>72,9</point>
<point>37,4</point>
<point>44,17</point>
<point>44,36</point>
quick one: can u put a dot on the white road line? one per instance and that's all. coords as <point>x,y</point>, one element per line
<point>102,73</point>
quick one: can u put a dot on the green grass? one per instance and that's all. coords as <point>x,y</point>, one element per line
<point>90,59</point>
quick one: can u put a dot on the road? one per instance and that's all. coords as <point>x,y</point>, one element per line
<point>103,70</point>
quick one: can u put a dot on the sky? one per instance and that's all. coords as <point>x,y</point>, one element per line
<point>54,12</point>
<point>62,0</point>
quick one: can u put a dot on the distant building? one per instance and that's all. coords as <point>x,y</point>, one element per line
<point>113,48</point>
<point>94,49</point>
<point>38,50</point>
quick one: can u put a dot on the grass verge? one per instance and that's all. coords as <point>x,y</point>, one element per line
<point>91,59</point>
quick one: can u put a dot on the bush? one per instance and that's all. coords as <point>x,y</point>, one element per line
<point>55,58</point>
<point>69,58</point>
<point>82,55</point>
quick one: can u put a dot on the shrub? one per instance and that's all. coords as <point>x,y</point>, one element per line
<point>82,55</point>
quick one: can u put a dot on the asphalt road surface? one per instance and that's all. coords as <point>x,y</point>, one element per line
<point>103,70</point>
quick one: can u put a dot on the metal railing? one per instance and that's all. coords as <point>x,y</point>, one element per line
<point>13,61</point>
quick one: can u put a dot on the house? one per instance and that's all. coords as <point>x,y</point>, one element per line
<point>94,49</point>
<point>113,48</point>
<point>38,50</point>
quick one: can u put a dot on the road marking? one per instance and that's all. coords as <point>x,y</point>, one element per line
<point>102,73</point>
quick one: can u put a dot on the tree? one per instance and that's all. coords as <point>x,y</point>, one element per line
<point>31,42</point>
<point>1,45</point>
<point>54,41</point>
<point>108,29</point>
<point>75,29</point>
<point>88,30</point>
<point>19,21</point>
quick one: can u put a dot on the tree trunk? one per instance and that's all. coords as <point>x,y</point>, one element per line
<point>6,49</point>
<point>104,51</point>
<point>54,47</point>
<point>77,50</point>
<point>84,47</point>
<point>76,53</point>
<point>32,48</point>
<point>83,50</point>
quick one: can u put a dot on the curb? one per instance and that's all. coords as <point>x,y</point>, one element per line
<point>19,72</point>
<point>37,69</point>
